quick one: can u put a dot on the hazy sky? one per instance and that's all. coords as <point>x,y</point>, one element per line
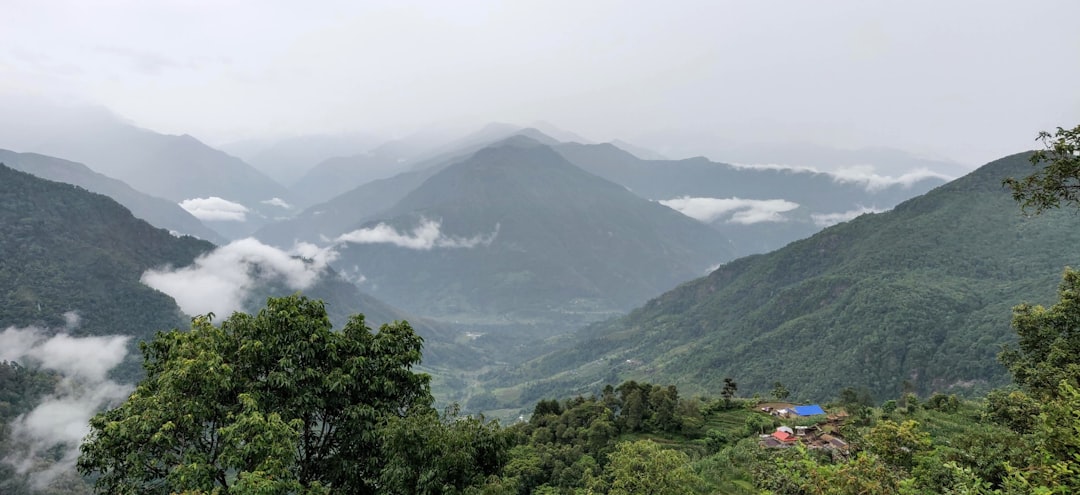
<point>972,80</point>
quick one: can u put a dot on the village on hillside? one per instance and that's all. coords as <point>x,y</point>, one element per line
<point>817,429</point>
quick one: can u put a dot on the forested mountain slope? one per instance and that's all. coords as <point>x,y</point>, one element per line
<point>159,212</point>
<point>66,249</point>
<point>920,294</point>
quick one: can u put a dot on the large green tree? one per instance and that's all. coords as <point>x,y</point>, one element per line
<point>1048,349</point>
<point>646,467</point>
<point>1057,180</point>
<point>270,403</point>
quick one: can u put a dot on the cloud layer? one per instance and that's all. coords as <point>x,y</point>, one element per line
<point>221,281</point>
<point>425,236</point>
<point>62,417</point>
<point>215,209</point>
<point>742,211</point>
<point>873,182</point>
<point>828,219</point>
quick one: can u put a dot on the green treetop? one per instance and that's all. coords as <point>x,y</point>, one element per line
<point>270,403</point>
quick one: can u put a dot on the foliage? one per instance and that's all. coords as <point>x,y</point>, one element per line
<point>1057,178</point>
<point>270,403</point>
<point>1048,351</point>
<point>63,249</point>
<point>646,467</point>
<point>427,455</point>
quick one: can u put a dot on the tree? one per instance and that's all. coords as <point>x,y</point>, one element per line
<point>779,391</point>
<point>428,455</point>
<point>1048,348</point>
<point>729,390</point>
<point>645,467</point>
<point>1059,180</point>
<point>271,403</point>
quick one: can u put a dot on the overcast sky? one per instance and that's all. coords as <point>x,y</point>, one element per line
<point>971,80</point>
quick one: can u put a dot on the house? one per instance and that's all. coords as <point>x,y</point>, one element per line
<point>784,435</point>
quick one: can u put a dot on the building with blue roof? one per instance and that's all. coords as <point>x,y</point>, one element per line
<point>810,410</point>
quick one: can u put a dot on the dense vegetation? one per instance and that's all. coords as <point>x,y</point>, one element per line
<point>65,249</point>
<point>920,294</point>
<point>278,403</point>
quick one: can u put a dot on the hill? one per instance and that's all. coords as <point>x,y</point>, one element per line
<point>159,212</point>
<point>920,294</point>
<point>66,249</point>
<point>515,233</point>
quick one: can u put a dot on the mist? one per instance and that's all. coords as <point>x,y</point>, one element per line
<point>222,280</point>
<point>427,235</point>
<point>742,211</point>
<point>62,418</point>
<point>939,79</point>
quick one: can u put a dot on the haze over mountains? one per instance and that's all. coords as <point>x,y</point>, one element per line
<point>221,190</point>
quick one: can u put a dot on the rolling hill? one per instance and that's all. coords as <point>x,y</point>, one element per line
<point>920,294</point>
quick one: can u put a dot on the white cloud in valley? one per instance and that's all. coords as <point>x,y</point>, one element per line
<point>221,281</point>
<point>62,417</point>
<point>865,175</point>
<point>828,219</point>
<point>872,181</point>
<point>425,236</point>
<point>280,203</point>
<point>733,210</point>
<point>215,209</point>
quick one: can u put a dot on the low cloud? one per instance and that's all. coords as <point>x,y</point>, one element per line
<point>741,211</point>
<point>221,280</point>
<point>776,166</point>
<point>280,203</point>
<point>864,175</point>
<point>829,219</point>
<point>62,418</point>
<point>424,237</point>
<point>873,182</point>
<point>215,209</point>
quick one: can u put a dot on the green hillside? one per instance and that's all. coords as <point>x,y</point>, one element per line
<point>920,294</point>
<point>159,212</point>
<point>66,249</point>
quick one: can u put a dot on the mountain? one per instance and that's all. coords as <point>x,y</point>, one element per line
<point>157,211</point>
<point>331,218</point>
<point>881,160</point>
<point>176,168</point>
<point>515,233</point>
<point>759,209</point>
<point>287,159</point>
<point>335,176</point>
<point>920,294</point>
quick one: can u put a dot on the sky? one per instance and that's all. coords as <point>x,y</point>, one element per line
<point>968,80</point>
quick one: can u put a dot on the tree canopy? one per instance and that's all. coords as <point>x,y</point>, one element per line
<point>1059,180</point>
<point>270,403</point>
